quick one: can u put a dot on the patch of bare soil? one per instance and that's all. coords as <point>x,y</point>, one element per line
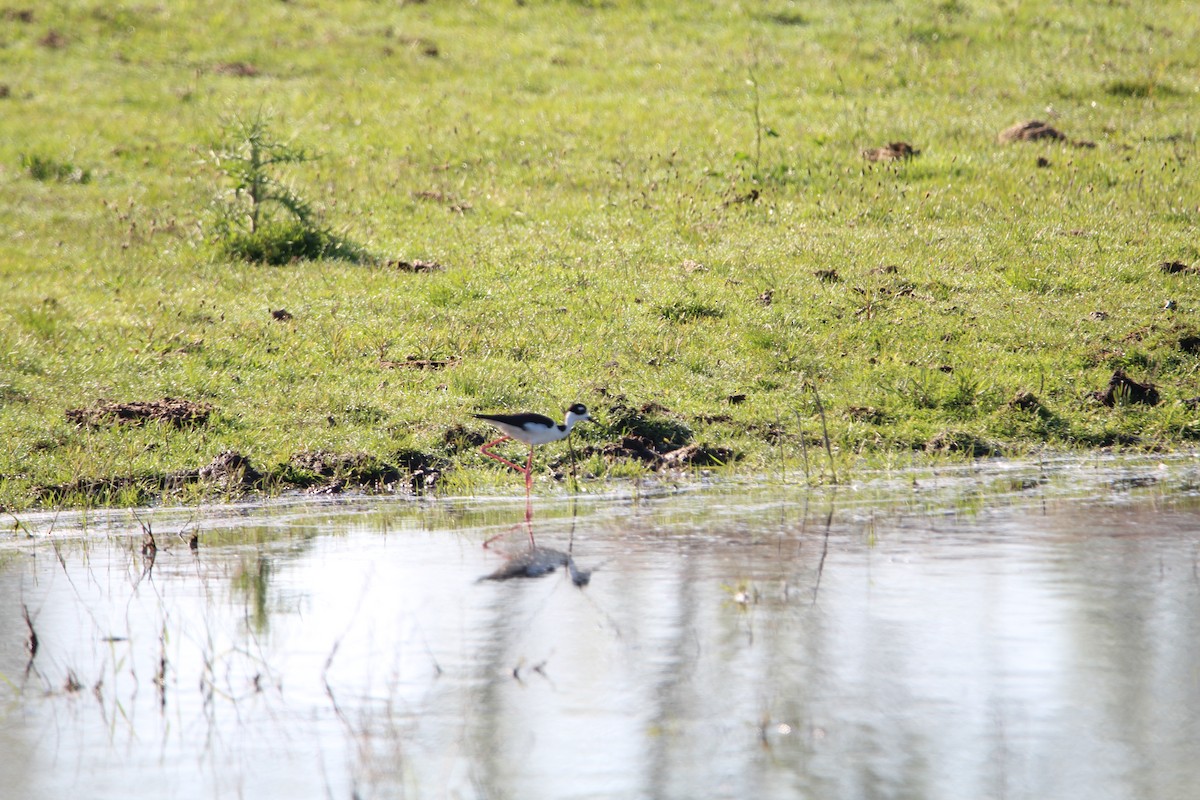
<point>1189,343</point>
<point>238,69</point>
<point>416,265</point>
<point>451,202</point>
<point>173,411</point>
<point>53,40</point>
<point>895,151</point>
<point>412,362</point>
<point>1122,388</point>
<point>1176,267</point>
<point>1036,130</point>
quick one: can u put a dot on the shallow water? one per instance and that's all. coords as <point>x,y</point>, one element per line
<point>1017,631</point>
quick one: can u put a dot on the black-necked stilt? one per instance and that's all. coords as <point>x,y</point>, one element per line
<point>532,429</point>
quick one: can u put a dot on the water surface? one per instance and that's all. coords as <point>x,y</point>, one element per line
<point>1015,631</point>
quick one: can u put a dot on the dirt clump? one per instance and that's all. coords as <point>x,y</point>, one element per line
<point>1025,401</point>
<point>458,438</point>
<point>1122,388</point>
<point>869,414</point>
<point>633,447</point>
<point>416,265</point>
<point>895,151</point>
<point>238,69</point>
<point>1176,267</point>
<point>173,411</point>
<point>53,40</point>
<point>424,470</point>
<point>698,454</point>
<point>230,470</point>
<point>749,197</point>
<point>1036,130</point>
<point>1030,131</point>
<point>650,423</point>
<point>441,198</point>
<point>413,362</point>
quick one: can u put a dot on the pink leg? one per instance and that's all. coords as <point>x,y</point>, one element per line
<point>528,526</point>
<point>528,470</point>
<point>528,499</point>
<point>485,449</point>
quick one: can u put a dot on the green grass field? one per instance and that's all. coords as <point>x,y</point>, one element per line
<point>659,209</point>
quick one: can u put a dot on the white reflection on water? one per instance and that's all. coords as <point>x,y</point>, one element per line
<point>947,642</point>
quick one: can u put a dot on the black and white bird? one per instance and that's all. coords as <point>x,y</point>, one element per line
<point>532,429</point>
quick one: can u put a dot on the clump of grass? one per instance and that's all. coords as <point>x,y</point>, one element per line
<point>283,242</point>
<point>47,168</point>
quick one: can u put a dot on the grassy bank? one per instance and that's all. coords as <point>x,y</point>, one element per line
<point>661,210</point>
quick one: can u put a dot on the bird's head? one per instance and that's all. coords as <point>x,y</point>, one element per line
<point>577,413</point>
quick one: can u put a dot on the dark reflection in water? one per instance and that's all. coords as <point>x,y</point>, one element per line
<point>937,638</point>
<point>537,562</point>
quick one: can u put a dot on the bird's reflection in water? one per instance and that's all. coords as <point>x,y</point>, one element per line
<point>537,562</point>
